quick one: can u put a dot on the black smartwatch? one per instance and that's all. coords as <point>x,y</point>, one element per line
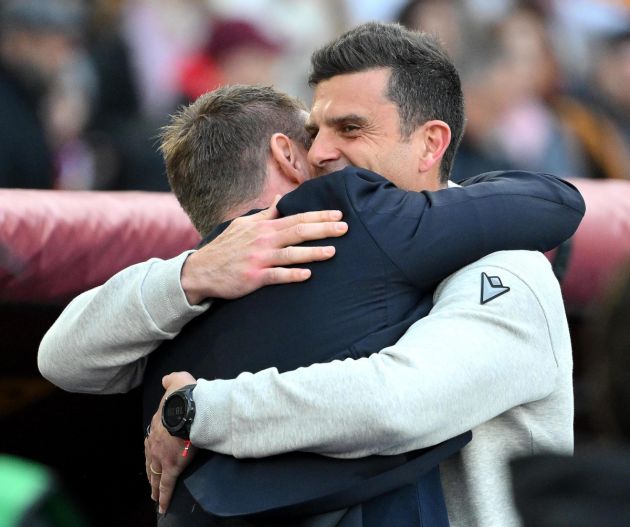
<point>178,412</point>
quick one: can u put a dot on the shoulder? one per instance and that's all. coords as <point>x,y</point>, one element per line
<point>517,285</point>
<point>507,283</point>
<point>529,267</point>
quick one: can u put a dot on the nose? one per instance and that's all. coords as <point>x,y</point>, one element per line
<point>323,155</point>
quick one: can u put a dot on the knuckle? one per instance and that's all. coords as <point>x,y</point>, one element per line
<point>271,277</point>
<point>286,254</point>
<point>300,230</point>
<point>254,261</point>
<point>250,276</point>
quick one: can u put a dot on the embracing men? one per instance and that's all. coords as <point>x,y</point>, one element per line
<point>494,354</point>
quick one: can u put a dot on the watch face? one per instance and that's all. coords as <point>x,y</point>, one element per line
<point>174,411</point>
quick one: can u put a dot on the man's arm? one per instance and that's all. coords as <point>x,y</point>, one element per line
<point>464,364</point>
<point>100,342</point>
<point>430,235</point>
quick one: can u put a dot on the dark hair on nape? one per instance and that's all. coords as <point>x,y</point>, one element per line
<point>424,83</point>
<point>215,149</point>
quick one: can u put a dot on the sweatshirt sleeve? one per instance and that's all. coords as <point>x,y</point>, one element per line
<point>462,365</point>
<point>430,235</point>
<point>100,342</point>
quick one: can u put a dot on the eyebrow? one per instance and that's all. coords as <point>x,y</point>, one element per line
<point>344,119</point>
<point>339,121</point>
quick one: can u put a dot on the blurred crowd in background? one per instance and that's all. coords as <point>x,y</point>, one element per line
<point>86,85</point>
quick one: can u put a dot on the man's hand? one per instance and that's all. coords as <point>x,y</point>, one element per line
<point>254,250</point>
<point>163,452</point>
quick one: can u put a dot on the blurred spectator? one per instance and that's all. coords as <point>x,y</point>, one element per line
<point>578,23</point>
<point>509,81</point>
<point>116,106</point>
<point>612,80</point>
<point>67,109</point>
<point>519,112</point>
<point>599,113</point>
<point>120,133</point>
<point>237,53</point>
<point>447,19</point>
<point>37,42</point>
<point>159,33</point>
<point>509,73</point>
<point>300,26</point>
<point>528,134</point>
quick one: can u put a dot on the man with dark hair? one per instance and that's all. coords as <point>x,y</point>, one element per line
<point>422,81</point>
<point>476,362</point>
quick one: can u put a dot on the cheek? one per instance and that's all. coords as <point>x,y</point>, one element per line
<point>366,155</point>
<point>399,166</point>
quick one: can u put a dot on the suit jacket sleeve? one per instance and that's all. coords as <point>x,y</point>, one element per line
<point>429,235</point>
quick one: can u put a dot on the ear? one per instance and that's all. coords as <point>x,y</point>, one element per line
<point>288,158</point>
<point>434,137</point>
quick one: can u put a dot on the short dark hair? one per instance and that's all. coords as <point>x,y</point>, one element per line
<point>424,83</point>
<point>216,149</point>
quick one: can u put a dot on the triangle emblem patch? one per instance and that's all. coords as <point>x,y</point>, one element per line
<point>491,288</point>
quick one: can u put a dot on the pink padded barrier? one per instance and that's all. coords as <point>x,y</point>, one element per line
<point>55,244</point>
<point>601,244</point>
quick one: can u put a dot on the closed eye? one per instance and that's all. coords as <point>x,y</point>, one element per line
<point>349,129</point>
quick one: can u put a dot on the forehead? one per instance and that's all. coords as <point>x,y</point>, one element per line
<point>362,93</point>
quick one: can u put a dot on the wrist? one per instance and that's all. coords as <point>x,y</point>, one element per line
<point>211,429</point>
<point>192,281</point>
<point>178,412</point>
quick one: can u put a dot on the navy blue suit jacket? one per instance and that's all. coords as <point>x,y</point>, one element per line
<point>399,246</point>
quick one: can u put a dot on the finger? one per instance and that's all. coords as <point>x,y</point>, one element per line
<point>167,485</point>
<point>147,460</point>
<point>317,216</point>
<point>272,211</point>
<point>166,381</point>
<point>155,484</point>
<point>276,199</point>
<point>299,255</point>
<point>281,275</point>
<point>303,232</point>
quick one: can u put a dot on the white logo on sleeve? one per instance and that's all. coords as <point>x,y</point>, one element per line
<point>491,288</point>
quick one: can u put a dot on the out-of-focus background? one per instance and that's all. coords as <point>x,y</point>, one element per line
<point>86,85</point>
